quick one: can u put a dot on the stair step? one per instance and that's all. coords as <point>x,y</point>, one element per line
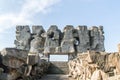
<point>58,68</point>
<point>56,77</point>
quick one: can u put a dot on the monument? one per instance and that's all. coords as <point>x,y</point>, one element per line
<point>87,59</point>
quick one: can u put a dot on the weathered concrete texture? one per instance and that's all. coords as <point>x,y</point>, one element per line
<point>52,40</point>
<point>71,40</point>
<point>67,44</point>
<point>23,37</point>
<point>83,39</point>
<point>14,58</point>
<point>97,38</point>
<point>37,44</point>
<point>94,66</point>
<point>39,69</point>
<point>117,77</point>
<point>32,58</point>
<point>80,40</point>
<point>13,63</point>
<point>37,30</point>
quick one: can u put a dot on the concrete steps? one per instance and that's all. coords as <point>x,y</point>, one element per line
<point>55,77</point>
<point>57,71</point>
<point>58,68</point>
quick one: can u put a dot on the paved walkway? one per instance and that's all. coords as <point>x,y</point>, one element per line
<point>65,77</point>
<point>55,77</point>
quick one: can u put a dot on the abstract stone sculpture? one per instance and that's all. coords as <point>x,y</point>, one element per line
<point>83,39</point>
<point>37,43</point>
<point>84,47</point>
<point>52,39</point>
<point>71,40</point>
<point>36,48</point>
<point>97,38</point>
<point>67,44</point>
<point>23,37</point>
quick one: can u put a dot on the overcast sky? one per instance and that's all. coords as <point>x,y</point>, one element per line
<point>61,13</point>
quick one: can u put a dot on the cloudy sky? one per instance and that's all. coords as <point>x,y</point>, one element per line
<point>61,13</point>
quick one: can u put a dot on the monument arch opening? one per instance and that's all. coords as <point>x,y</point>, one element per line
<point>63,58</point>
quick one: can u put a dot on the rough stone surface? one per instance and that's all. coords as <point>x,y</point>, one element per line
<point>13,63</point>
<point>32,59</point>
<point>37,42</point>
<point>71,40</point>
<point>83,39</point>
<point>37,30</point>
<point>98,75</point>
<point>97,38</point>
<point>25,62</point>
<point>23,37</point>
<point>67,44</point>
<point>38,70</point>
<point>94,66</point>
<point>52,39</point>
<point>14,58</point>
<point>37,45</point>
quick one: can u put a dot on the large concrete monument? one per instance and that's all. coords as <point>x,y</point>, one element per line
<point>87,59</point>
